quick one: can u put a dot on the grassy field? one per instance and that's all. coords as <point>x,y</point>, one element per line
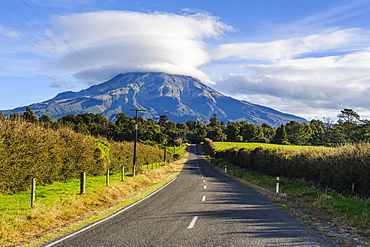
<point>177,149</point>
<point>253,145</point>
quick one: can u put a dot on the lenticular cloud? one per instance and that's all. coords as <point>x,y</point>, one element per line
<point>112,42</point>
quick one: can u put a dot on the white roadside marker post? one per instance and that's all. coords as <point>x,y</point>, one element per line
<point>277,185</point>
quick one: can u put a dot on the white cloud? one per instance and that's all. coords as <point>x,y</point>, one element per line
<point>329,40</point>
<point>308,76</point>
<point>303,91</point>
<point>114,42</point>
<point>8,33</point>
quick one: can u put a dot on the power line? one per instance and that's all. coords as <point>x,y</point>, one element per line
<point>45,35</point>
<point>37,43</point>
<point>58,35</point>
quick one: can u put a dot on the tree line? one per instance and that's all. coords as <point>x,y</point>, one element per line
<point>349,128</point>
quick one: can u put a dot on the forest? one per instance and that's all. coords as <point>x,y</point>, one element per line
<point>349,128</point>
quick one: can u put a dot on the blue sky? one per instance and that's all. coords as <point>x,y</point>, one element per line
<point>308,57</point>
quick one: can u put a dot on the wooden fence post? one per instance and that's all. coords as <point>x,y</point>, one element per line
<point>123,173</point>
<point>107,178</point>
<point>82,182</point>
<point>33,191</point>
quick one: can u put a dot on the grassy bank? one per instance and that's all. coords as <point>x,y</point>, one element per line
<point>348,212</point>
<point>59,206</point>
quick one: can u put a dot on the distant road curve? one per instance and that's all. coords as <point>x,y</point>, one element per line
<point>202,207</point>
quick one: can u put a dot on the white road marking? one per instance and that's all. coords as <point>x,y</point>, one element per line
<point>192,223</point>
<point>204,181</point>
<point>203,198</point>
<point>205,187</point>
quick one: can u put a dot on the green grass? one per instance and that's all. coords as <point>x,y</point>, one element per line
<point>51,192</point>
<point>60,202</point>
<point>343,209</point>
<point>180,150</point>
<point>253,145</point>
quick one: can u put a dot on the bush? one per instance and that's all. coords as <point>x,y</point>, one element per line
<point>209,147</point>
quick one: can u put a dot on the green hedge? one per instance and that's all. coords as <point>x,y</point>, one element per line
<point>31,151</point>
<point>343,169</point>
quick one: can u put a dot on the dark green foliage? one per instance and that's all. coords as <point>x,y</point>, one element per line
<point>209,147</point>
<point>29,116</point>
<point>349,128</point>
<point>343,169</point>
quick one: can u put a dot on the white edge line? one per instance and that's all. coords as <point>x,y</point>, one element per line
<point>203,198</point>
<point>109,217</point>
<point>192,223</point>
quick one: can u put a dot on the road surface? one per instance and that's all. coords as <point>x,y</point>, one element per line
<point>201,207</point>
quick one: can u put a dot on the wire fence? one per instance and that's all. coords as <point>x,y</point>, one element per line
<point>39,192</point>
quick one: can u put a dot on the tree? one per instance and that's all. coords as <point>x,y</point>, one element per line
<point>268,131</point>
<point>163,120</point>
<point>349,116</point>
<point>46,121</point>
<point>249,131</point>
<point>298,133</point>
<point>318,133</point>
<point>259,135</point>
<point>213,121</point>
<point>232,130</point>
<point>328,124</point>
<point>29,116</point>
<point>349,119</point>
<point>281,135</point>
<point>365,130</point>
<point>215,129</point>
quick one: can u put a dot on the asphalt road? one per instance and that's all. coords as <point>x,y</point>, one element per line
<point>201,207</point>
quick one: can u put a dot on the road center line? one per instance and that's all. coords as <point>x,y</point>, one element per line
<point>203,198</point>
<point>205,187</point>
<point>192,223</point>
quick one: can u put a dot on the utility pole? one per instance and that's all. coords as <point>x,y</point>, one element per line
<point>135,144</point>
<point>164,145</point>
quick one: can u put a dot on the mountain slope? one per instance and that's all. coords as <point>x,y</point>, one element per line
<point>181,98</point>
